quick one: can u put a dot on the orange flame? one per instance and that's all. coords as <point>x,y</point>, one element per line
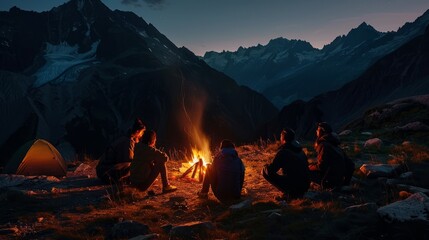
<point>193,106</point>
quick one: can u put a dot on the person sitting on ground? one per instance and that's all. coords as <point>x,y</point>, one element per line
<point>114,165</point>
<point>225,175</point>
<point>148,163</point>
<point>290,158</point>
<point>333,169</point>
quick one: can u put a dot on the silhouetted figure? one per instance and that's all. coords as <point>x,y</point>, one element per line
<point>114,164</point>
<point>333,169</point>
<point>225,175</point>
<point>294,180</point>
<point>148,163</point>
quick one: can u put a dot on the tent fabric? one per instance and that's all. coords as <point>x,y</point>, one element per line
<point>37,157</point>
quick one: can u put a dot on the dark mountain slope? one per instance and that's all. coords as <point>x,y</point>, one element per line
<point>87,72</point>
<point>401,73</point>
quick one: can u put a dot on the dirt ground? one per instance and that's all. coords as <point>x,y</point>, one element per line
<point>78,207</point>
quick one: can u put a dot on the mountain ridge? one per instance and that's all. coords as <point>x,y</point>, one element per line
<point>309,73</point>
<point>89,72</point>
<point>399,74</point>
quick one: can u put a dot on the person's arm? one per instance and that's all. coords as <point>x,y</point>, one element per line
<point>323,158</point>
<point>159,156</point>
<point>275,164</point>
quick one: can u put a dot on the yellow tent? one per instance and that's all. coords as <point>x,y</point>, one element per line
<point>37,157</point>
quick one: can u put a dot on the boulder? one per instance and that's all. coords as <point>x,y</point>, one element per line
<point>241,206</point>
<point>9,231</point>
<point>128,229</point>
<point>380,170</point>
<point>373,143</point>
<point>191,230</point>
<point>84,170</point>
<point>406,175</point>
<point>145,237</point>
<point>414,208</point>
<point>412,189</point>
<point>8,180</point>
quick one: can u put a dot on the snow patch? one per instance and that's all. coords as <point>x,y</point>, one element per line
<point>59,58</point>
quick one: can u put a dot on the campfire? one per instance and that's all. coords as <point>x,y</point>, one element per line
<point>196,167</point>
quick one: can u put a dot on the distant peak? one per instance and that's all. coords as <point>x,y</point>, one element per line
<point>85,4</point>
<point>362,28</point>
<point>278,40</point>
<point>365,26</point>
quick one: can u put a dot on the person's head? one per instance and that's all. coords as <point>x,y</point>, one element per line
<point>227,144</point>
<point>323,128</point>
<point>287,135</point>
<point>149,138</point>
<point>137,130</point>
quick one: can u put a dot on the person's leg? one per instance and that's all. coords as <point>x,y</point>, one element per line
<point>162,169</point>
<point>150,179</point>
<point>208,179</point>
<point>275,180</point>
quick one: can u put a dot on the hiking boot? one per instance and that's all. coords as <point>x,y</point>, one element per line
<point>169,188</point>
<point>202,195</point>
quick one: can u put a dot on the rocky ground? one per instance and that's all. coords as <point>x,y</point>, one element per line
<point>383,202</point>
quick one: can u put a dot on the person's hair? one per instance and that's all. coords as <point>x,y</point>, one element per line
<point>226,143</point>
<point>137,126</point>
<point>288,134</point>
<point>148,137</point>
<point>325,127</point>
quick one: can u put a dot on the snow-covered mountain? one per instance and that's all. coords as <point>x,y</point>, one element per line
<point>79,74</point>
<point>313,71</point>
<point>400,74</point>
<point>256,67</point>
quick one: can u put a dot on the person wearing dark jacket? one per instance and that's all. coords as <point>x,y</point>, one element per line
<point>333,169</point>
<point>294,180</point>
<point>148,163</point>
<point>225,175</point>
<point>114,165</point>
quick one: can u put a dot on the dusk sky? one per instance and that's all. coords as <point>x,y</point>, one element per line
<point>206,25</point>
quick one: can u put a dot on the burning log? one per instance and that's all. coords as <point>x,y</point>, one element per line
<point>197,167</point>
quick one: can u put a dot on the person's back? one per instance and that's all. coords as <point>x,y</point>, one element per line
<point>292,161</point>
<point>225,175</point>
<point>295,165</point>
<point>119,152</point>
<point>114,164</point>
<point>229,175</point>
<point>330,161</point>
